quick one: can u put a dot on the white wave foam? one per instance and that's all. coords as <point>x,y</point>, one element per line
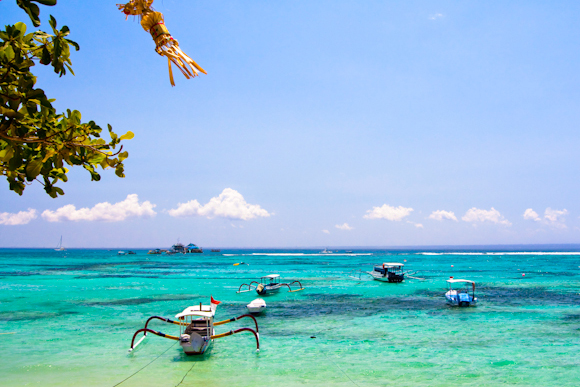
<point>509,253</point>
<point>310,255</point>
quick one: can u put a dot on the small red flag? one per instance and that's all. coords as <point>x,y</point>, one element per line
<point>215,301</point>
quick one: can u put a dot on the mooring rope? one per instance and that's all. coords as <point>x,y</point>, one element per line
<point>345,374</point>
<point>129,377</point>
<point>184,376</point>
<point>323,352</point>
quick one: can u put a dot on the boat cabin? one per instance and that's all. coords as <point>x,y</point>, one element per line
<point>272,279</point>
<point>391,271</point>
<point>196,328</point>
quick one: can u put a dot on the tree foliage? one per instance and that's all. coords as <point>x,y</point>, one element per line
<point>36,142</point>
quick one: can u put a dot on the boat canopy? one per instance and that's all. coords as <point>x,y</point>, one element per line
<point>272,276</point>
<point>195,311</point>
<point>452,281</point>
<point>392,264</point>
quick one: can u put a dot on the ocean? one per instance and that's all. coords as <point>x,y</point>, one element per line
<point>67,319</point>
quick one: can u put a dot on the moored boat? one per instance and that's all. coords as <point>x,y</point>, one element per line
<point>196,328</point>
<point>269,284</point>
<point>459,292</point>
<point>388,272</point>
<point>257,306</point>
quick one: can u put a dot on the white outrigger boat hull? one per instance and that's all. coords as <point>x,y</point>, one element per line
<point>194,344</point>
<point>257,306</point>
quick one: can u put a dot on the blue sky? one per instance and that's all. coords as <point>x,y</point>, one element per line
<point>317,114</point>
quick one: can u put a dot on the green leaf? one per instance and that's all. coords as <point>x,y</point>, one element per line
<point>46,58</point>
<point>11,113</point>
<point>52,22</point>
<point>74,44</point>
<point>46,2</point>
<point>6,154</point>
<point>31,9</point>
<point>33,169</point>
<point>127,136</point>
<point>7,52</point>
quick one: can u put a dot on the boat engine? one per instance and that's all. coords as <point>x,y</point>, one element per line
<point>260,289</point>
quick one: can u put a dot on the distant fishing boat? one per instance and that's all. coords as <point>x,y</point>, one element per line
<point>196,328</point>
<point>269,284</point>
<point>59,247</point>
<point>325,251</point>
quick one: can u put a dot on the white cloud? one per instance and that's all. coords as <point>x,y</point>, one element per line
<point>435,16</point>
<point>419,225</point>
<point>22,217</point>
<point>130,207</point>
<point>440,215</point>
<point>345,227</point>
<point>229,204</point>
<point>555,215</point>
<point>554,218</point>
<point>530,214</point>
<point>478,215</point>
<point>388,212</point>
<point>326,231</point>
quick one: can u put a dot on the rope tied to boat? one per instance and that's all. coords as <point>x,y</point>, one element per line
<point>141,369</point>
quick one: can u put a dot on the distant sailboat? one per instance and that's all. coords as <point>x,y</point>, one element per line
<point>59,247</point>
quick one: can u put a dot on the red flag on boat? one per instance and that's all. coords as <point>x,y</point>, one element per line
<point>214,301</point>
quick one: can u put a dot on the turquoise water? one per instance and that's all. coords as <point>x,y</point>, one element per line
<point>67,318</point>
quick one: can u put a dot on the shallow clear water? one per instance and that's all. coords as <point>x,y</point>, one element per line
<point>67,318</point>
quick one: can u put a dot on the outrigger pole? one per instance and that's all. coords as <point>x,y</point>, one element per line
<point>290,289</point>
<point>161,334</point>
<point>248,285</point>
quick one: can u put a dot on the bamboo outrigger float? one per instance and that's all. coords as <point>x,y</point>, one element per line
<point>196,328</point>
<point>269,284</point>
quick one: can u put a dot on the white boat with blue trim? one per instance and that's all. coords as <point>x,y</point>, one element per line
<point>459,292</point>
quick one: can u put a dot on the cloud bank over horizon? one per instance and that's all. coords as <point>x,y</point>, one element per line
<point>230,204</point>
<point>107,212</point>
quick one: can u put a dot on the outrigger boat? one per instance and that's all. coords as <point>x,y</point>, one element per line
<point>387,272</point>
<point>268,284</point>
<point>460,295</point>
<point>196,328</point>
